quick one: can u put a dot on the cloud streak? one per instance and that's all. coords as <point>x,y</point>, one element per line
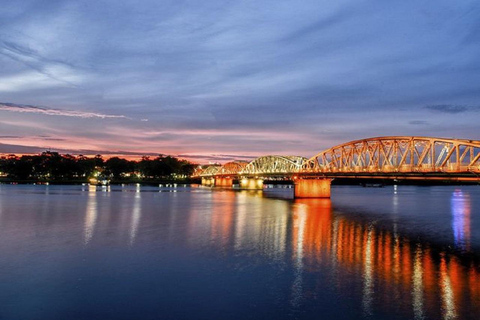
<point>418,122</point>
<point>199,158</point>
<point>452,109</point>
<point>56,70</point>
<point>11,107</point>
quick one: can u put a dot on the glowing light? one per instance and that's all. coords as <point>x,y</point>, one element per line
<point>417,282</point>
<point>91,214</point>
<point>299,222</point>
<point>241,221</point>
<point>368,274</point>
<point>136,215</point>
<point>448,301</point>
<point>460,205</point>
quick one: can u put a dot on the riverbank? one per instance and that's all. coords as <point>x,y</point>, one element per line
<point>339,181</point>
<point>112,182</point>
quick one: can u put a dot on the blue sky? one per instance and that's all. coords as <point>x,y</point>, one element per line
<point>221,80</point>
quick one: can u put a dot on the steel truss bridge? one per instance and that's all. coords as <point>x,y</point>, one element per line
<point>395,157</point>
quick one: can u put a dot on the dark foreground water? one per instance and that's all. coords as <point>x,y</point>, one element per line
<point>77,252</point>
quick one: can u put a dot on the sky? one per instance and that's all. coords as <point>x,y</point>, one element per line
<point>224,80</point>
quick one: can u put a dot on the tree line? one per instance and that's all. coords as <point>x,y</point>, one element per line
<point>52,166</point>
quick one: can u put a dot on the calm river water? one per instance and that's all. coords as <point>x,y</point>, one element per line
<point>80,252</point>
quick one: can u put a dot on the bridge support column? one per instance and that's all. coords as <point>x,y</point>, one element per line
<point>312,188</point>
<point>223,182</point>
<point>208,182</point>
<point>251,184</point>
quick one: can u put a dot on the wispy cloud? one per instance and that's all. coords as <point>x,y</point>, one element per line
<point>216,157</point>
<point>11,137</point>
<point>452,109</point>
<point>33,60</point>
<point>418,122</point>
<point>54,112</point>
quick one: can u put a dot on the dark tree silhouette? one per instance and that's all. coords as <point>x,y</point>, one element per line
<point>52,166</point>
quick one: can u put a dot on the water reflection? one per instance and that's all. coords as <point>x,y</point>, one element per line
<point>90,214</point>
<point>460,204</point>
<point>136,214</point>
<point>1,204</point>
<point>368,274</point>
<point>240,219</point>
<point>396,273</point>
<point>299,224</point>
<point>417,283</point>
<point>221,219</point>
<point>297,257</point>
<point>273,229</point>
<point>448,298</point>
<point>395,200</point>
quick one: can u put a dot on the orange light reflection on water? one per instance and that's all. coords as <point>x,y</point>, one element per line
<point>396,273</point>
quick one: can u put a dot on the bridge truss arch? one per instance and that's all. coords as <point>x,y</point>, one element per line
<point>232,168</point>
<point>398,154</point>
<point>209,171</point>
<point>273,164</point>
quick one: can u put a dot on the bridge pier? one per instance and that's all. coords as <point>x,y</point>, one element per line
<point>208,182</point>
<point>312,188</point>
<point>223,182</point>
<point>251,184</point>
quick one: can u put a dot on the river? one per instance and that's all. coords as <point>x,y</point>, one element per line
<point>138,252</point>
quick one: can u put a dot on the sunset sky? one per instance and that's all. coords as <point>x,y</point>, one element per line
<point>222,80</point>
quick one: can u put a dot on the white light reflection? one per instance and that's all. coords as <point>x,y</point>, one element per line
<point>368,274</point>
<point>90,214</point>
<point>241,199</point>
<point>274,231</point>
<point>334,250</point>
<point>417,282</point>
<point>300,219</point>
<point>448,302</point>
<point>280,230</point>
<point>1,206</point>
<point>136,214</point>
<point>460,205</point>
<point>395,200</point>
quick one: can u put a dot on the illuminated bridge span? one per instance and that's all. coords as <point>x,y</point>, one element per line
<point>400,158</point>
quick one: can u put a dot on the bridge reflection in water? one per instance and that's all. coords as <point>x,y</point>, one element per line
<point>172,251</point>
<point>390,271</point>
<point>413,278</point>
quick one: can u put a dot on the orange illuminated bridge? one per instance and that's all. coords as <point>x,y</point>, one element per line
<point>396,158</point>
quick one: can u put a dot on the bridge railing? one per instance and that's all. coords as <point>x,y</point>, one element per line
<point>423,168</point>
